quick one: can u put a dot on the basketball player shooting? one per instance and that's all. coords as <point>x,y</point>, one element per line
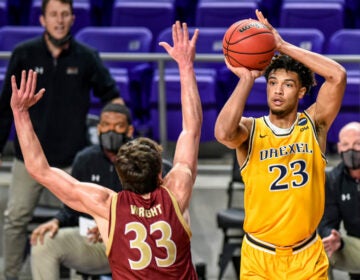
<point>282,161</point>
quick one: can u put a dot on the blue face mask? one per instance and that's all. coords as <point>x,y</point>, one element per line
<point>112,141</point>
<point>351,159</point>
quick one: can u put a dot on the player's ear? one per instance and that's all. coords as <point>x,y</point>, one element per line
<point>302,92</point>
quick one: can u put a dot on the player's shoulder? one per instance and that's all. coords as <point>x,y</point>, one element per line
<point>247,121</point>
<point>177,174</point>
<point>182,168</point>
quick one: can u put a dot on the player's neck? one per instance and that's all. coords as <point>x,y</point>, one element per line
<point>281,125</point>
<point>283,122</point>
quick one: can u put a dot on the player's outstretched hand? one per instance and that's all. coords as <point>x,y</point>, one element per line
<point>24,97</point>
<point>183,51</point>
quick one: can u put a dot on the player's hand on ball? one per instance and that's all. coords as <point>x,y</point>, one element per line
<point>243,71</point>
<point>278,40</point>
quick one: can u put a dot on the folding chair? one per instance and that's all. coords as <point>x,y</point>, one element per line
<point>230,221</point>
<point>206,85</point>
<point>132,78</point>
<point>210,42</point>
<point>346,41</point>
<point>224,13</point>
<point>154,15</point>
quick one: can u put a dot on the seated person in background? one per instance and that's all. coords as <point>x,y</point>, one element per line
<point>52,246</point>
<point>146,226</point>
<point>342,204</point>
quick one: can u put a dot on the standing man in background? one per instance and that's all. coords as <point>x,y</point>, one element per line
<point>342,205</point>
<point>68,71</point>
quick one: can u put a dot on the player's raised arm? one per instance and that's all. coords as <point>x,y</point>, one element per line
<point>329,98</point>
<point>187,147</point>
<point>87,198</point>
<point>231,128</point>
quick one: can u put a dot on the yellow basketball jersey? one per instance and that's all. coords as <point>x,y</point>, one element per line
<point>284,177</point>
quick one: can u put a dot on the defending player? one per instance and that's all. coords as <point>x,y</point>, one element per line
<point>150,239</point>
<point>282,163</point>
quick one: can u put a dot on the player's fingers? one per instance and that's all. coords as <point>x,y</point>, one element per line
<point>33,83</point>
<point>13,85</point>
<point>185,32</point>
<point>165,45</point>
<point>39,95</point>
<point>174,32</point>
<point>23,81</point>
<point>179,32</point>
<point>195,36</point>
<point>259,15</point>
<point>262,19</point>
<point>29,82</point>
<point>228,65</point>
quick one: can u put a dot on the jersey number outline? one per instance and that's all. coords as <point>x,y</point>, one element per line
<point>139,242</point>
<point>297,168</point>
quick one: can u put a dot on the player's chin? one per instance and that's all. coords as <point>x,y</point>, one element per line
<point>275,110</point>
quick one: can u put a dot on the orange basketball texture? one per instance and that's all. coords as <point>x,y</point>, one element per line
<point>249,43</point>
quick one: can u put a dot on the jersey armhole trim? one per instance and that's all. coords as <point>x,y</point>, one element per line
<point>251,140</point>
<point>179,214</point>
<point>112,223</point>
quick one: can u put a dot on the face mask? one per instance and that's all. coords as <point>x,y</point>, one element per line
<point>59,42</point>
<point>351,159</point>
<point>112,141</point>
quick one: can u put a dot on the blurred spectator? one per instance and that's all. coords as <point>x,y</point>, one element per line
<point>342,205</point>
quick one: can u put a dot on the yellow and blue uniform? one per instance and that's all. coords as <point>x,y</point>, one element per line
<point>284,177</point>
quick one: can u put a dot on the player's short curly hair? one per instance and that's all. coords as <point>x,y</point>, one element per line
<point>306,76</point>
<point>138,164</point>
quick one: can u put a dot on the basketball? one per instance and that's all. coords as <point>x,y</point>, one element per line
<point>250,44</point>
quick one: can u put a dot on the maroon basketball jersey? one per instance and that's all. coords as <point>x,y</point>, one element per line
<point>149,238</point>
